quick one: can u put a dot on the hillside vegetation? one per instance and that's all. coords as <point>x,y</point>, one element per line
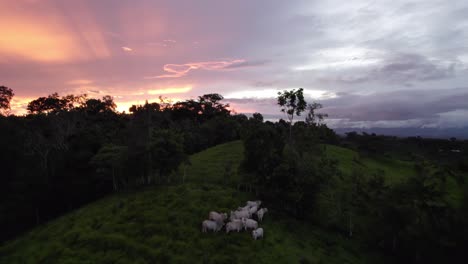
<point>162,225</point>
<point>393,169</point>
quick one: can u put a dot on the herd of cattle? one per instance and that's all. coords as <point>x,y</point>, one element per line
<point>238,220</point>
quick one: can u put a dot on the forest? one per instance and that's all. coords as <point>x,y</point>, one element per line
<point>405,198</point>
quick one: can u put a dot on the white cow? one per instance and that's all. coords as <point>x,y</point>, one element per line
<point>247,207</point>
<point>239,214</point>
<point>253,210</point>
<point>254,203</point>
<point>218,217</point>
<point>257,233</point>
<point>249,223</point>
<point>209,225</point>
<point>260,213</point>
<point>234,225</point>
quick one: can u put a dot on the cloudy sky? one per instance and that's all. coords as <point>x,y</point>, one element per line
<point>370,63</point>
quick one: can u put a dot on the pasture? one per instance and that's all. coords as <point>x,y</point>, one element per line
<point>163,225</point>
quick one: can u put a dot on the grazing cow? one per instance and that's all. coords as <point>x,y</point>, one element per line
<point>247,207</point>
<point>260,213</point>
<point>209,225</point>
<point>253,210</point>
<point>254,203</point>
<point>218,217</point>
<point>239,214</point>
<point>234,225</point>
<point>249,223</point>
<point>257,233</point>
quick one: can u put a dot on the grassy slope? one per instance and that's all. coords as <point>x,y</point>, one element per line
<point>394,170</point>
<point>162,225</point>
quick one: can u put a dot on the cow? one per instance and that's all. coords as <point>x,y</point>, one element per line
<point>249,223</point>
<point>209,225</point>
<point>218,217</point>
<point>260,213</point>
<point>234,225</point>
<point>257,233</point>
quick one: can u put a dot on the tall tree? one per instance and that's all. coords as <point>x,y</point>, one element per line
<point>313,118</point>
<point>6,94</point>
<point>111,159</point>
<point>166,149</point>
<point>49,104</point>
<point>292,103</point>
<point>94,106</point>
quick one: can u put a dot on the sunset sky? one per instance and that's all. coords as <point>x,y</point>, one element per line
<point>392,63</point>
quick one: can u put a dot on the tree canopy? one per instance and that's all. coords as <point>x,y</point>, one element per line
<point>6,94</point>
<point>292,103</point>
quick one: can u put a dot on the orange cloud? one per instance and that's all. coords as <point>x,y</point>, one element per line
<point>238,108</point>
<point>80,82</point>
<point>170,90</point>
<point>179,70</point>
<point>27,39</point>
<point>127,49</point>
<point>123,105</point>
<point>18,105</point>
<point>40,31</point>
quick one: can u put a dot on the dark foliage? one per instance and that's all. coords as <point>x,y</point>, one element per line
<point>71,150</point>
<point>420,219</point>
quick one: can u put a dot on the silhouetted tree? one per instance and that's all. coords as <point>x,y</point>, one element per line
<point>314,118</point>
<point>6,94</point>
<point>94,106</point>
<point>257,117</point>
<point>292,103</point>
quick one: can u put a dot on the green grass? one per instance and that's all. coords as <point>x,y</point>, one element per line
<point>163,225</point>
<point>209,165</point>
<point>346,157</point>
<point>394,170</point>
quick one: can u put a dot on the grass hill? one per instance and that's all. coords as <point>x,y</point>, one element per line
<point>394,170</point>
<point>163,225</point>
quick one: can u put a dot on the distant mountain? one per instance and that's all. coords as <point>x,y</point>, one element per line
<point>459,133</point>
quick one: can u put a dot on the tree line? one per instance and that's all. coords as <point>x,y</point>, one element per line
<point>70,150</point>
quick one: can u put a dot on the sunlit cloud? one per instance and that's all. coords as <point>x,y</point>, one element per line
<point>26,39</point>
<point>170,90</point>
<point>80,82</point>
<point>179,70</point>
<point>124,105</point>
<point>79,47</point>
<point>273,93</point>
<point>239,108</point>
<point>18,105</point>
<point>51,34</point>
<point>89,89</point>
<point>340,58</point>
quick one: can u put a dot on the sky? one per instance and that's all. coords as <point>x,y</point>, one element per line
<point>385,64</point>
